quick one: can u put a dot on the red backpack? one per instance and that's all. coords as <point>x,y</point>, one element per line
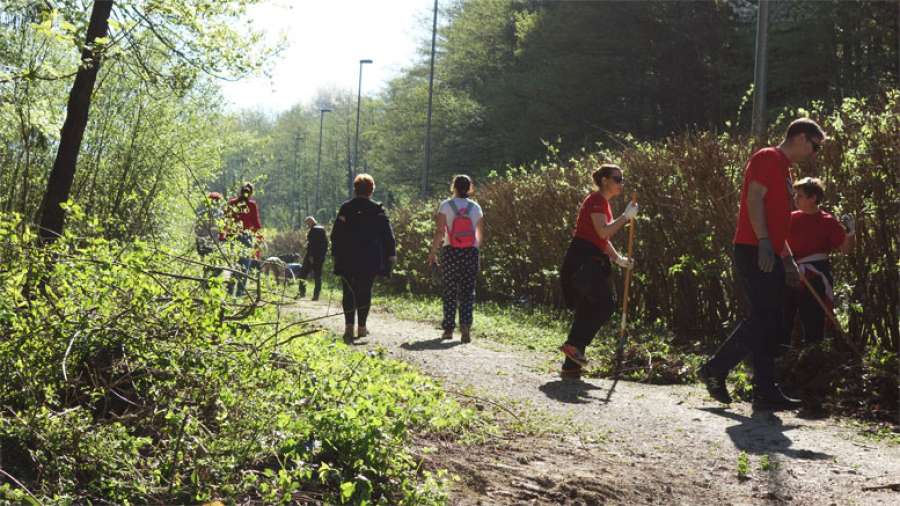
<point>462,233</point>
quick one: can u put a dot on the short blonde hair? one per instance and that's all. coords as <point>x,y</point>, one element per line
<point>364,185</point>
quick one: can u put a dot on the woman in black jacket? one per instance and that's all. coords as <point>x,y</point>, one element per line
<point>362,247</point>
<point>586,268</point>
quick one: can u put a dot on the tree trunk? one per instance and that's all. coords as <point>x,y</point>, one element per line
<point>60,181</point>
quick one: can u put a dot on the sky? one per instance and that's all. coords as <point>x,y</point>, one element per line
<point>326,39</point>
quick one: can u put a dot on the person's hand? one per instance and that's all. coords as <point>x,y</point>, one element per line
<point>791,272</point>
<point>766,256</point>
<point>631,211</point>
<point>432,258</point>
<point>849,223</point>
<point>624,262</point>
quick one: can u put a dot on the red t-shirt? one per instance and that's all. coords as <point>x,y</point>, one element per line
<point>246,213</point>
<point>814,233</point>
<point>768,167</point>
<point>584,228</point>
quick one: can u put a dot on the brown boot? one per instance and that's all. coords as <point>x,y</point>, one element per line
<point>465,333</point>
<point>361,332</point>
<point>348,334</point>
<point>448,334</point>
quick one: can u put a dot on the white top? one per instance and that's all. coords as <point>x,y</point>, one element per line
<point>475,214</point>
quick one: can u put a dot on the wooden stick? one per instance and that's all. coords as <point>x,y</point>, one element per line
<point>830,315</point>
<point>620,347</point>
<point>627,272</point>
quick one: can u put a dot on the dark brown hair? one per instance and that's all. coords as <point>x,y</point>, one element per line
<point>461,185</point>
<point>605,170</point>
<point>813,187</point>
<point>363,185</point>
<point>805,126</point>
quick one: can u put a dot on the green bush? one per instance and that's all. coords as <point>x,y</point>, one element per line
<point>122,381</point>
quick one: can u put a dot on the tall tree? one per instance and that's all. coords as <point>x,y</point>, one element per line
<point>60,182</point>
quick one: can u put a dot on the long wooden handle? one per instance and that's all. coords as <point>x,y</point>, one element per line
<point>627,272</point>
<point>830,315</point>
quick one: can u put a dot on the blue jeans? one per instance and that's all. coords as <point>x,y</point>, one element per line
<point>759,333</point>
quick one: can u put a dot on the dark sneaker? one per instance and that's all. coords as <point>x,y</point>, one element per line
<point>571,372</point>
<point>448,334</point>
<point>715,385</point>
<point>774,400</point>
<point>465,334</point>
<point>574,354</point>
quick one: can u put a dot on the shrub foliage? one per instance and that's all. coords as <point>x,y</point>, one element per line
<point>123,382</point>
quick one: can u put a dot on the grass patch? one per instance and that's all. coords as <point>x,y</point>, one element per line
<point>648,356</point>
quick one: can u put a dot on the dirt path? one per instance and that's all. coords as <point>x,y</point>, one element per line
<point>647,445</point>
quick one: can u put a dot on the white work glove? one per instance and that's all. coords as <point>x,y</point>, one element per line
<point>624,262</point>
<point>631,211</point>
<point>849,223</point>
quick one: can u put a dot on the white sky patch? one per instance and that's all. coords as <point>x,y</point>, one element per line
<point>326,39</point>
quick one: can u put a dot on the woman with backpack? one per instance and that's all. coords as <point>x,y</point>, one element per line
<point>586,268</point>
<point>362,247</point>
<point>458,233</point>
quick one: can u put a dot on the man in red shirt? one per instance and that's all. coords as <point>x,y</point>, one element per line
<point>243,215</point>
<point>762,230</point>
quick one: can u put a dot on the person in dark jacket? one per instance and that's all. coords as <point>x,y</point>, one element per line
<point>362,247</point>
<point>316,249</point>
<point>586,267</point>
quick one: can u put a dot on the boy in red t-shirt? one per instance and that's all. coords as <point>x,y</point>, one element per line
<point>762,231</point>
<point>814,234</point>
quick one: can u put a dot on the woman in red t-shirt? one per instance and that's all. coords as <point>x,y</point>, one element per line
<point>586,268</point>
<point>813,234</point>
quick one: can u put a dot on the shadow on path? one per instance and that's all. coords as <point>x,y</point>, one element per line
<point>431,344</point>
<point>572,391</point>
<point>763,433</point>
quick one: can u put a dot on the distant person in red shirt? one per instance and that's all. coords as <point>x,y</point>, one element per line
<point>761,237</point>
<point>586,267</point>
<point>814,234</point>
<point>243,215</point>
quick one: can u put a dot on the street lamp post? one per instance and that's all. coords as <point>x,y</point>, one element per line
<point>424,190</point>
<point>322,112</point>
<point>358,99</point>
<point>758,122</point>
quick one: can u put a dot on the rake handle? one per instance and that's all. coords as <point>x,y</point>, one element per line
<point>627,272</point>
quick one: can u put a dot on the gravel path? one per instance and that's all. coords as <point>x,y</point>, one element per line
<point>648,445</point>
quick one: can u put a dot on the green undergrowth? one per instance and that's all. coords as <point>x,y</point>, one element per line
<point>123,382</point>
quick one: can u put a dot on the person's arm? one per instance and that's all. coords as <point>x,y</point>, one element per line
<point>756,210</point>
<point>440,224</point>
<point>850,238</point>
<point>255,222</point>
<point>606,229</point>
<point>479,232</point>
<point>617,258</point>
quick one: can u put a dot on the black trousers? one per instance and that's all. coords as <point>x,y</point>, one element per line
<point>799,302</point>
<point>316,270</point>
<point>758,334</point>
<point>593,311</point>
<point>357,297</point>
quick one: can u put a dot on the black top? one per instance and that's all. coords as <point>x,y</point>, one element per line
<point>362,239</point>
<point>317,244</point>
